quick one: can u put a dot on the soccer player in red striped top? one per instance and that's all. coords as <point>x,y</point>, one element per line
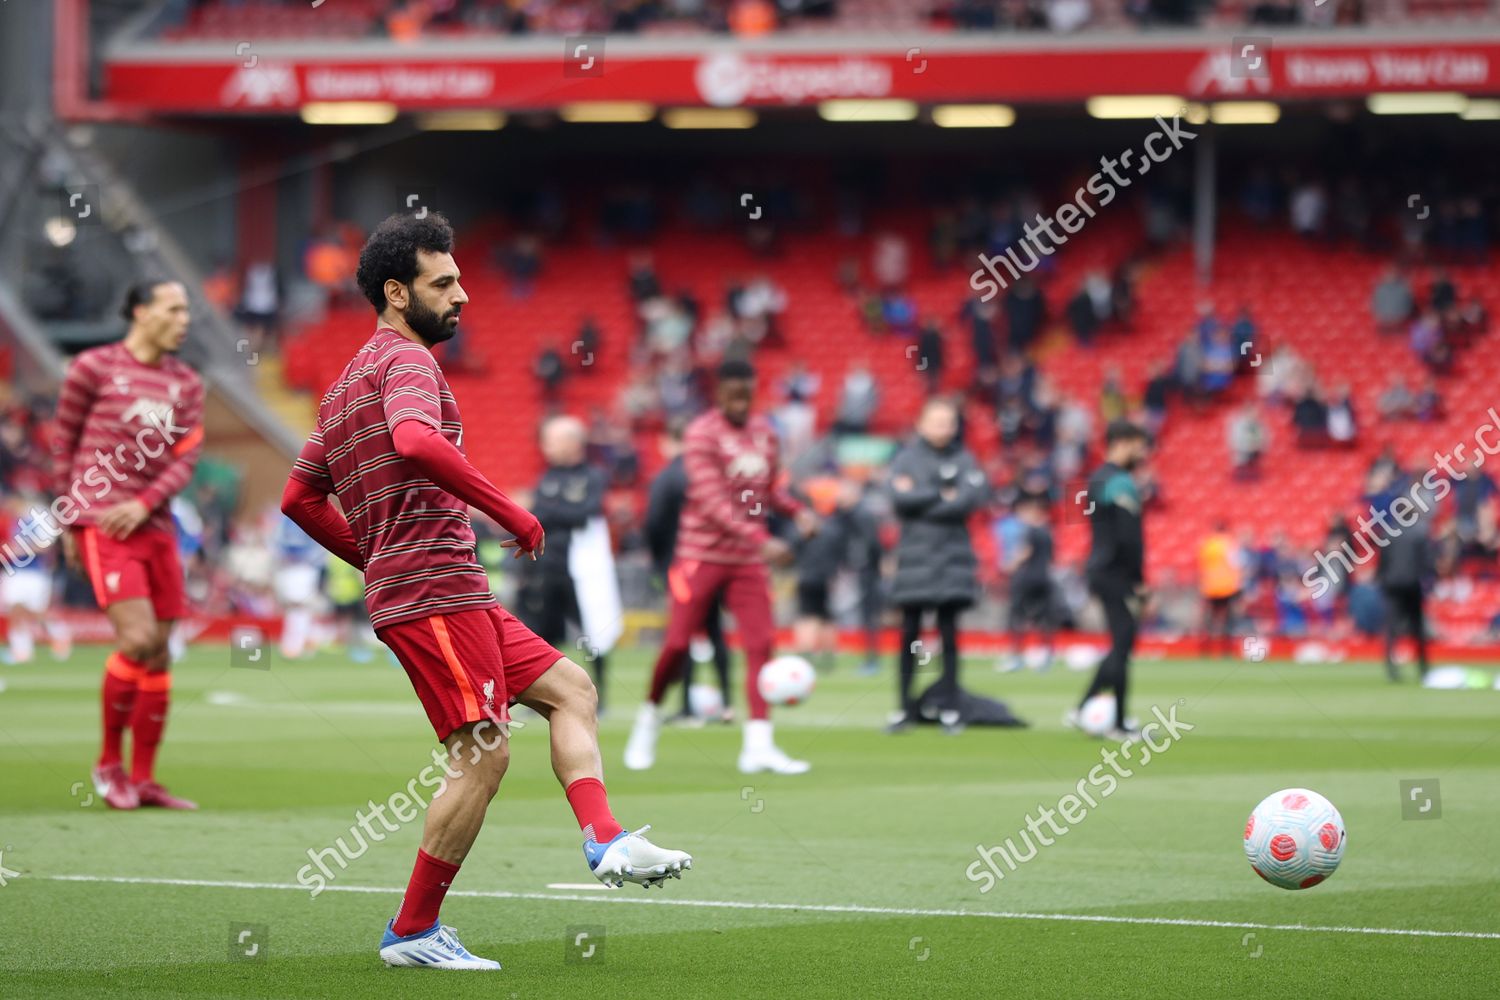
<point>388,444</point>
<point>723,551</point>
<point>129,430</point>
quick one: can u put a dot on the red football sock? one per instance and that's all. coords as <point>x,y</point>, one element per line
<point>118,694</point>
<point>146,724</point>
<point>590,804</point>
<point>430,879</point>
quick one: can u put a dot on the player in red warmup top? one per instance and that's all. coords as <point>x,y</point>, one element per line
<point>129,430</point>
<point>389,443</point>
<point>723,549</point>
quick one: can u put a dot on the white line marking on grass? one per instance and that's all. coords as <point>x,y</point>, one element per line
<point>581,886</point>
<point>880,911</point>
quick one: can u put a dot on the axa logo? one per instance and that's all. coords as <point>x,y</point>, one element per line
<point>1215,74</point>
<point>262,85</point>
<point>145,410</point>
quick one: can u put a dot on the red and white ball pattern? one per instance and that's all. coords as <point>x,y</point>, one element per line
<point>1295,838</point>
<point>786,680</point>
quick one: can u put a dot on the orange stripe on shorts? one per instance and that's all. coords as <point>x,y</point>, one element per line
<point>92,565</point>
<point>460,675</point>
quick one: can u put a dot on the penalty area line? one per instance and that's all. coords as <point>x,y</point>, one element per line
<point>878,911</point>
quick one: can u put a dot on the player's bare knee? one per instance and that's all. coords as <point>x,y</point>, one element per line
<point>581,697</point>
<point>140,644</point>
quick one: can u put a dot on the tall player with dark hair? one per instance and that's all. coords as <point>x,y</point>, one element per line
<point>1116,563</point>
<point>388,443</point>
<point>129,430</point>
<point>723,551</point>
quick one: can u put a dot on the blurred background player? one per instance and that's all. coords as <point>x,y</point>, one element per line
<point>129,431</point>
<point>935,486</point>
<point>663,515</point>
<point>27,583</point>
<point>723,551</point>
<point>345,588</point>
<point>387,443</point>
<point>1116,562</point>
<point>569,496</point>
<point>299,568</point>
<point>1033,596</point>
<point>818,561</point>
<point>1219,571</point>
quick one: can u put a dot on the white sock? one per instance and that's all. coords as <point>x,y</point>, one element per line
<point>295,628</point>
<point>757,735</point>
<point>22,642</point>
<point>645,716</point>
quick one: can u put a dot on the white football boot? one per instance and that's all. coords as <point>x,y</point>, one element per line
<point>760,752</point>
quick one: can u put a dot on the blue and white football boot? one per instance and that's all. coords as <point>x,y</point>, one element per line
<point>437,947</point>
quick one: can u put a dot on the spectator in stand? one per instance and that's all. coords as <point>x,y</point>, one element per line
<point>550,372</point>
<point>1154,398</point>
<point>1081,316</point>
<point>1441,295</point>
<point>1310,418</point>
<point>642,279</point>
<point>1429,344</point>
<point>1392,301</point>
<point>929,354</point>
<point>1241,333</point>
<point>586,344</point>
<point>1397,402</point>
<point>1473,318</point>
<point>1189,368</point>
<point>890,261</point>
<point>1428,405</point>
<point>1475,513</point>
<point>1247,441</point>
<point>523,262</point>
<point>1113,405</point>
<point>1025,312</point>
<point>857,402</point>
<point>1342,426</point>
<point>1308,205</point>
<point>795,418</point>
<point>981,318</point>
<point>1219,363</point>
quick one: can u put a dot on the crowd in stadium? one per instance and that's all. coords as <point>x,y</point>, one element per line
<point>411,20</point>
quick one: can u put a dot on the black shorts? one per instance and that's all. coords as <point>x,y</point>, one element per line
<point>812,599</point>
<point>1033,603</point>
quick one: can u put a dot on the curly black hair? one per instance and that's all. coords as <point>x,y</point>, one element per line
<point>391,252</point>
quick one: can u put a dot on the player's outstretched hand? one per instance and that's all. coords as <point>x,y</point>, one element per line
<point>515,543</point>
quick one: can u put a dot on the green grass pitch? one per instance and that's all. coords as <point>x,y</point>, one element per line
<point>847,882</point>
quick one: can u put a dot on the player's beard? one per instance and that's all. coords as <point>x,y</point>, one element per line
<point>427,324</point>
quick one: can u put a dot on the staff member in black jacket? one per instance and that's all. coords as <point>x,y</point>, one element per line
<point>1116,560</point>
<point>1406,565</point>
<point>569,493</point>
<point>935,486</point>
<point>663,512</point>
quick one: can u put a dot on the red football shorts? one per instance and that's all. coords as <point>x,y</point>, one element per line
<point>469,665</point>
<point>145,564</point>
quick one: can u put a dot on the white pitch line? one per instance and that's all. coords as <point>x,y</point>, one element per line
<point>883,911</point>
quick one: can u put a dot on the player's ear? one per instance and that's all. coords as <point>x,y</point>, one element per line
<point>396,293</point>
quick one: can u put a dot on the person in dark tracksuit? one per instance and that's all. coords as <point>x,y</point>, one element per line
<point>935,485</point>
<point>1033,597</point>
<point>818,561</point>
<point>663,512</point>
<point>1115,568</point>
<point>1406,565</point>
<point>569,494</point>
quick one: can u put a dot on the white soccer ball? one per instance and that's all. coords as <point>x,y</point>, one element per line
<point>786,680</point>
<point>1097,716</point>
<point>706,701</point>
<point>1295,838</point>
